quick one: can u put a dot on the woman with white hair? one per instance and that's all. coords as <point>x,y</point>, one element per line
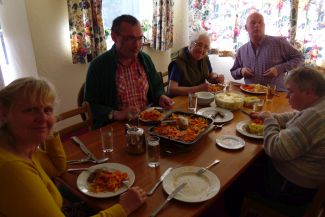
<point>191,67</point>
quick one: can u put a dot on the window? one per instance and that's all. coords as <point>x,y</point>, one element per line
<point>142,10</point>
<point>3,58</point>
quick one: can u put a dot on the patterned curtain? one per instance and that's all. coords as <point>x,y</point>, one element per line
<point>302,22</point>
<point>162,25</point>
<point>311,31</point>
<point>87,35</point>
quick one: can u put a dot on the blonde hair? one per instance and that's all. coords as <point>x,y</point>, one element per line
<point>30,87</point>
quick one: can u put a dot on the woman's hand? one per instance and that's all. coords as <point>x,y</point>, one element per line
<point>132,199</point>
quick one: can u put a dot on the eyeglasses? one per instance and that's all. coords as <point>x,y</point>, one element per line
<point>132,39</point>
<point>201,45</point>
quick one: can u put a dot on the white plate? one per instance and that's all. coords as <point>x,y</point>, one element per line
<point>230,142</point>
<point>212,110</point>
<point>256,92</point>
<point>241,128</point>
<point>83,185</point>
<point>198,188</point>
<point>149,109</point>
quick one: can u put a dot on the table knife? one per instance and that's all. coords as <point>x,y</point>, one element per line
<point>159,181</point>
<point>84,148</point>
<point>171,196</point>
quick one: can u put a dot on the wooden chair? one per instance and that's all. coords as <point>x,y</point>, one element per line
<point>80,99</point>
<point>164,79</point>
<point>84,124</point>
<point>257,206</point>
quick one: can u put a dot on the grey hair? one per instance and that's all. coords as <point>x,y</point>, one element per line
<point>196,35</point>
<point>306,78</point>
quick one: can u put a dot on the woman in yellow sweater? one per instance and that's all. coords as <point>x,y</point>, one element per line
<point>30,154</point>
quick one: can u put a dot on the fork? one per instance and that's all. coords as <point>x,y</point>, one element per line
<point>203,169</point>
<point>126,183</point>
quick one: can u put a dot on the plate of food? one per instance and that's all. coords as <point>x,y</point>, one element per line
<point>219,115</point>
<point>253,88</point>
<point>198,188</point>
<point>152,115</point>
<point>230,142</point>
<point>215,88</point>
<point>182,127</point>
<point>105,180</point>
<point>252,128</point>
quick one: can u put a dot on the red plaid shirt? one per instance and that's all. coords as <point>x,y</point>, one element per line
<point>132,85</point>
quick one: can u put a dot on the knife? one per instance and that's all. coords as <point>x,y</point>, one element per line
<point>84,148</point>
<point>159,181</point>
<point>171,196</point>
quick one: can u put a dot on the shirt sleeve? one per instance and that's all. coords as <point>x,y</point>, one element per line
<point>114,211</point>
<point>174,73</point>
<point>297,138</point>
<point>236,68</point>
<point>23,193</point>
<point>292,57</point>
<point>51,156</point>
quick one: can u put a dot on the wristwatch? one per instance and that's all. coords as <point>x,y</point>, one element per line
<point>111,115</point>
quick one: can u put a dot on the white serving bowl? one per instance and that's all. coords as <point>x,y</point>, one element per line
<point>204,98</point>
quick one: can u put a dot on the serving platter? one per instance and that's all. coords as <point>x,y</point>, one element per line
<point>171,132</point>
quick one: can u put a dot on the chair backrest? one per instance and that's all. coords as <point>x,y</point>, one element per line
<point>315,209</point>
<point>317,206</point>
<point>164,79</point>
<point>80,99</point>
<point>83,124</point>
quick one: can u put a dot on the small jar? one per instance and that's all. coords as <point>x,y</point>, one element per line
<point>135,140</point>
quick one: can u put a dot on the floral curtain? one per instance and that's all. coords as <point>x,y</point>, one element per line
<point>162,25</point>
<point>302,22</point>
<point>87,35</point>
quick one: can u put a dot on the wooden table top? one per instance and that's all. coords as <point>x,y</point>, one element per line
<point>202,153</point>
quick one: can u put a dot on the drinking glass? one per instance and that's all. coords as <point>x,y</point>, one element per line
<point>270,91</point>
<point>258,106</point>
<point>107,138</point>
<point>153,151</point>
<point>192,102</point>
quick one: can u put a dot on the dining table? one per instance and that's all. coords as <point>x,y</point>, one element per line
<point>200,154</point>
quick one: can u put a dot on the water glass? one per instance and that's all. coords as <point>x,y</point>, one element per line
<point>258,106</point>
<point>153,151</point>
<point>270,91</point>
<point>107,138</point>
<point>192,102</point>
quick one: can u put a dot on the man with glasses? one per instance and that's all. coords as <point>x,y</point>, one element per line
<point>191,67</point>
<point>123,80</point>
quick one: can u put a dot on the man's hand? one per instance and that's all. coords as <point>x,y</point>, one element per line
<point>271,72</point>
<point>166,102</point>
<point>247,72</point>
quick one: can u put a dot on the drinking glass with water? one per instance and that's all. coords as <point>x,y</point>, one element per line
<point>153,151</point>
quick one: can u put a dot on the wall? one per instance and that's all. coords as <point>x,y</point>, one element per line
<point>17,36</point>
<point>48,21</point>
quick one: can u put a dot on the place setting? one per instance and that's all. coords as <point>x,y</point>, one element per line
<point>189,184</point>
<point>105,180</point>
